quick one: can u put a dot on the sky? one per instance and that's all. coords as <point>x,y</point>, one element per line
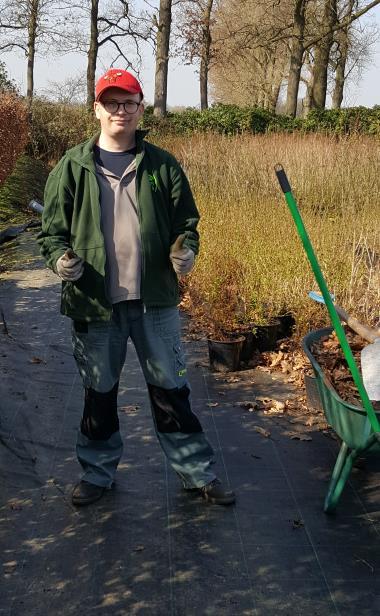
<point>183,84</point>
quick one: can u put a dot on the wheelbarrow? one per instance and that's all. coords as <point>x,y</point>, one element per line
<point>359,428</point>
<point>349,422</point>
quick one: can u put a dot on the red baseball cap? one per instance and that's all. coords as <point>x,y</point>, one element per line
<point>117,78</point>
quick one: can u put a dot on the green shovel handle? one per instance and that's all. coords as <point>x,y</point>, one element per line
<point>291,202</point>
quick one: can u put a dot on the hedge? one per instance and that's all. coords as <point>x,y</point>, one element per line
<point>57,127</point>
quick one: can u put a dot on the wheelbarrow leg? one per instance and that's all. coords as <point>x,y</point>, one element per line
<point>339,477</point>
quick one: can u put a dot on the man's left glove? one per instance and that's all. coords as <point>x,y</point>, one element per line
<point>182,258</point>
<point>69,267</point>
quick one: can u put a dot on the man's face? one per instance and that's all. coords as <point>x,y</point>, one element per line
<point>117,122</point>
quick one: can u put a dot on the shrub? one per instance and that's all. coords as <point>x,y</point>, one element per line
<point>346,121</point>
<point>57,127</point>
<point>26,182</point>
<point>13,132</point>
<point>232,120</point>
<point>223,119</point>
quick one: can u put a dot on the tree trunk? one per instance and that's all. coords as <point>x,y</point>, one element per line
<point>275,93</point>
<point>337,97</point>
<point>341,37</point>
<point>92,54</point>
<point>297,51</point>
<point>32,35</point>
<point>162,58</point>
<point>203,83</point>
<point>205,57</point>
<point>309,85</point>
<point>322,56</point>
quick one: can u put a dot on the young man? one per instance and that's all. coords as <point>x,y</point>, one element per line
<point>119,224</point>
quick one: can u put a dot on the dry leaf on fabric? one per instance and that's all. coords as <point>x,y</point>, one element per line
<point>248,405</point>
<point>212,404</point>
<point>262,431</point>
<point>132,408</point>
<point>276,359</point>
<point>276,408</point>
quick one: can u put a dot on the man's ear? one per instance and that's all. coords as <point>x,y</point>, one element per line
<point>96,110</point>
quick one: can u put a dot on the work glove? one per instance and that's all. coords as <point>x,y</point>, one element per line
<point>182,258</point>
<point>69,267</point>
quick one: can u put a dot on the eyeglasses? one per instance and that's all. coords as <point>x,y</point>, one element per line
<point>113,106</point>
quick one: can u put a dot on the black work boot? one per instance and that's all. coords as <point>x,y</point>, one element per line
<point>86,493</point>
<point>215,493</point>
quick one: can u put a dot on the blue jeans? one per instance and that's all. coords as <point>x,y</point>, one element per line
<point>100,350</point>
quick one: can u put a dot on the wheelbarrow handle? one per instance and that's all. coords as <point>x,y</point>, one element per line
<point>282,178</point>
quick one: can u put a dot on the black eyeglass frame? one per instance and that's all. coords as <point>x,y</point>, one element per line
<point>116,106</point>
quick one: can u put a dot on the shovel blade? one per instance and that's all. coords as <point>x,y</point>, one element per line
<point>318,297</point>
<point>370,364</point>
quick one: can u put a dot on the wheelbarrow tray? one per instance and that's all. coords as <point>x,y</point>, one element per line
<point>350,423</point>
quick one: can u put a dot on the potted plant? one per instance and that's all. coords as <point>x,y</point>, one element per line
<point>222,310</point>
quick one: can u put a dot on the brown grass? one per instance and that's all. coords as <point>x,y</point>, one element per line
<point>251,265</point>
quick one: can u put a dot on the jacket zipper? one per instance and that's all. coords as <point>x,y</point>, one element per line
<point>137,185</point>
<point>93,173</point>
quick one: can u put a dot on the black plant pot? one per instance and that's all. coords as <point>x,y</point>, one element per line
<point>225,355</point>
<point>249,346</point>
<point>266,336</point>
<point>286,328</point>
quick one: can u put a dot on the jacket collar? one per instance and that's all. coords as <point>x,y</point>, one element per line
<point>84,152</point>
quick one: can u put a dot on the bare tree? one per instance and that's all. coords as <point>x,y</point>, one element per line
<point>297,49</point>
<point>322,55</point>
<point>194,39</point>
<point>92,53</point>
<point>314,34</point>
<point>163,26</point>
<point>29,25</point>
<point>119,26</point>
<point>70,91</point>
<point>102,25</point>
<point>321,45</point>
<point>250,51</point>
<point>350,52</point>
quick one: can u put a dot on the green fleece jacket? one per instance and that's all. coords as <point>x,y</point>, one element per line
<point>71,218</point>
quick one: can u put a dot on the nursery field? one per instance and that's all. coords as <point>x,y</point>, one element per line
<point>251,265</point>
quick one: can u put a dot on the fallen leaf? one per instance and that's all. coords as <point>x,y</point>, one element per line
<point>129,409</point>
<point>248,405</point>
<point>212,404</point>
<point>37,360</point>
<point>15,507</point>
<point>262,431</point>
<point>276,358</point>
<point>264,399</point>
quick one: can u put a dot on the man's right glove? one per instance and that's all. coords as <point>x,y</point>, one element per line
<point>69,267</point>
<point>182,258</point>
